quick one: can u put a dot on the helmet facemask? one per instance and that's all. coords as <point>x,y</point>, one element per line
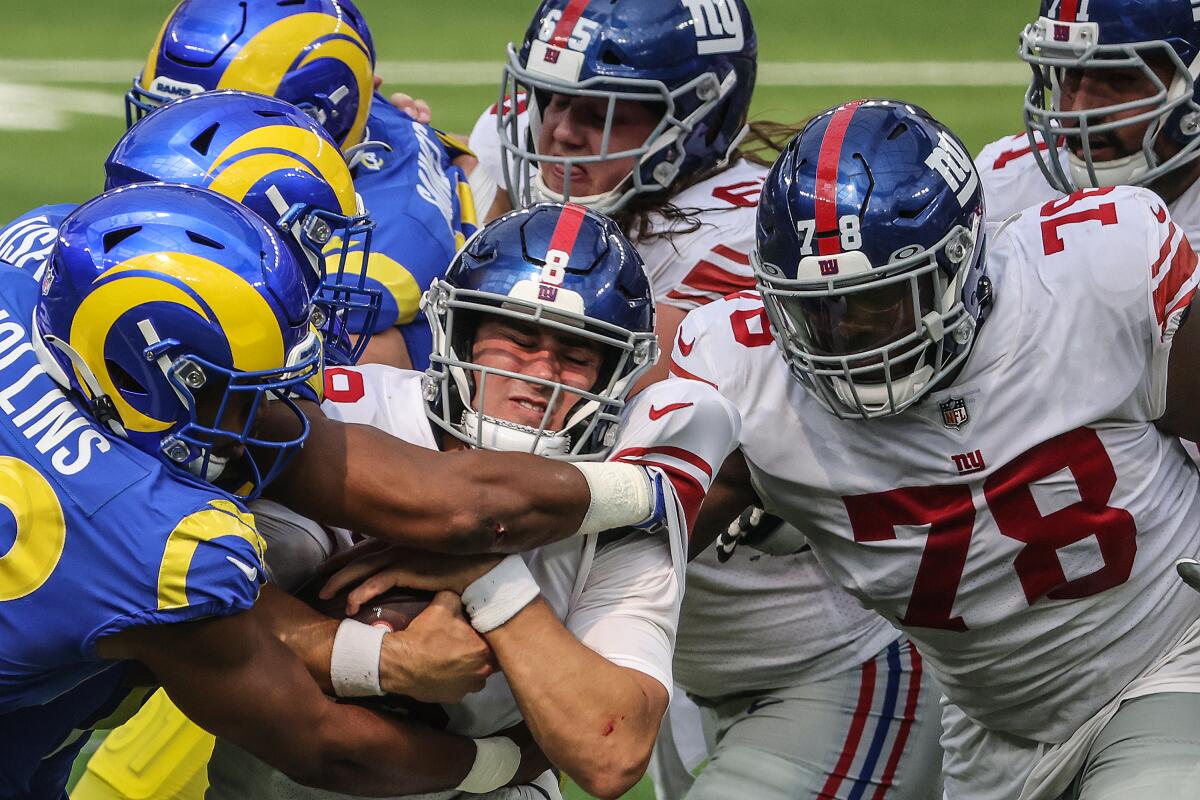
<point>870,341</point>
<point>522,165</point>
<point>1169,111</point>
<point>457,387</point>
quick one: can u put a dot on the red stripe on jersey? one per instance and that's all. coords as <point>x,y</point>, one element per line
<point>732,255</point>
<point>680,372</point>
<point>866,694</point>
<point>567,229</point>
<point>827,176</point>
<point>1068,10</point>
<point>708,277</point>
<point>910,715</point>
<point>1166,297</point>
<point>674,452</point>
<point>1163,251</point>
<point>687,489</point>
<point>1007,156</point>
<point>698,299</point>
<point>743,296</point>
<point>568,21</point>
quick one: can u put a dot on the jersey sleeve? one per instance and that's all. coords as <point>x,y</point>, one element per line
<point>1011,177</point>
<point>706,338</point>
<point>1117,276</point>
<point>212,564</point>
<point>628,611</point>
<point>685,429</point>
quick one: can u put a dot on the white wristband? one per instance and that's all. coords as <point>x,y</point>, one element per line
<point>621,496</point>
<point>496,762</point>
<point>495,597</point>
<point>354,667</point>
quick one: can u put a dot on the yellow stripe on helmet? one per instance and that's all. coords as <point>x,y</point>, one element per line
<point>241,312</point>
<point>305,144</point>
<point>261,64</point>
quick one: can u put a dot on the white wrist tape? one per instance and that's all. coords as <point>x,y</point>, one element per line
<point>354,667</point>
<point>621,496</point>
<point>495,597</point>
<point>496,762</point>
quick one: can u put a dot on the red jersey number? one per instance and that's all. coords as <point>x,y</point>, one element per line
<point>949,511</point>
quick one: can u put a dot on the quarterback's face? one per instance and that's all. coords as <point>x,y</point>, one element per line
<point>1087,89</point>
<point>535,351</point>
<point>574,126</point>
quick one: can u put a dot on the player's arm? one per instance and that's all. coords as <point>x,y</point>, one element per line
<point>466,501</point>
<point>233,678</point>
<point>731,492</point>
<point>667,319</point>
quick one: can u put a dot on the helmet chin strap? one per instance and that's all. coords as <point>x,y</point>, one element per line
<point>1118,172</point>
<point>208,468</point>
<point>597,202</point>
<point>101,405</point>
<point>875,397</point>
<point>496,434</point>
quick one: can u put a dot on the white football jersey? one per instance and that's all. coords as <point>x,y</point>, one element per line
<point>618,595</point>
<point>741,624</point>
<point>1020,525</point>
<point>1012,182</point>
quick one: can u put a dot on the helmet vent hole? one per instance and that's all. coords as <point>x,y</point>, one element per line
<point>290,2</point>
<point>913,213</point>
<point>262,112</point>
<point>611,58</point>
<point>114,238</point>
<point>897,132</point>
<point>204,241</point>
<point>202,142</point>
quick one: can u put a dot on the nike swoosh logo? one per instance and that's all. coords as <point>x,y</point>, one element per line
<point>659,413</point>
<point>684,347</point>
<point>250,572</point>
<point>761,703</point>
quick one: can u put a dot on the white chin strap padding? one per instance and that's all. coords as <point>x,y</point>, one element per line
<point>208,471</point>
<point>1118,172</point>
<point>597,202</point>
<point>494,434</point>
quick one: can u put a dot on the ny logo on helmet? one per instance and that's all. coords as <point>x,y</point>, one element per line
<point>954,164</point>
<point>718,26</point>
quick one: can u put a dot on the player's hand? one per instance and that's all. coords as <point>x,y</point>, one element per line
<point>415,107</point>
<point>400,567</point>
<point>438,658</point>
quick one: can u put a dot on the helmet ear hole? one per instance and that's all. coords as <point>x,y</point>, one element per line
<point>123,380</point>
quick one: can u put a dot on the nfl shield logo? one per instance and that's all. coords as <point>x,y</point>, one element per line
<point>954,412</point>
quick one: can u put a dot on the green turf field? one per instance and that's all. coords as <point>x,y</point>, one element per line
<point>77,106</point>
<point>66,64</point>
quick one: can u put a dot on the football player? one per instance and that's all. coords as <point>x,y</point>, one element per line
<point>977,436</point>
<point>541,327</point>
<point>640,110</point>
<point>167,319</point>
<point>267,155</point>
<point>319,55</point>
<point>1113,100</point>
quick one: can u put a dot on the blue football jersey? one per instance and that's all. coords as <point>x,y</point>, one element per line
<point>26,241</point>
<point>95,537</point>
<point>423,211</point>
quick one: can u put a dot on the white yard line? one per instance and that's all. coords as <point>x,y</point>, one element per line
<point>486,73</point>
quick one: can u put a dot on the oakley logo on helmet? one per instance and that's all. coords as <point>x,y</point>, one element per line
<point>718,26</point>
<point>954,164</point>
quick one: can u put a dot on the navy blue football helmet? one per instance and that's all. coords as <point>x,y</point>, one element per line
<point>274,159</point>
<point>562,267</point>
<point>1113,35</point>
<point>870,256</point>
<point>174,314</point>
<point>316,54</point>
<point>693,61</point>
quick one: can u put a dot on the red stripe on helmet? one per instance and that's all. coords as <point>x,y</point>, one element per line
<point>1068,10</point>
<point>567,229</point>
<point>827,177</point>
<point>566,23</point>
